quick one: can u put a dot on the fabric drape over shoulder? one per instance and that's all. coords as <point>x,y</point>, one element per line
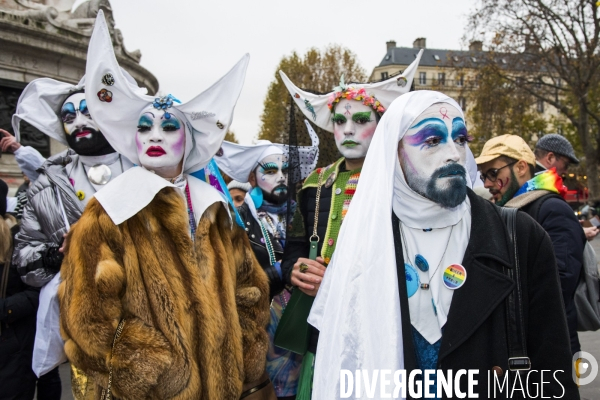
<point>357,310</point>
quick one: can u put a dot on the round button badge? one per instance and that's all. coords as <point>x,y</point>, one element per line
<point>454,276</point>
<point>412,280</point>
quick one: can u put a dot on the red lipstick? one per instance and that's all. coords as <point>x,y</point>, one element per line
<point>155,151</point>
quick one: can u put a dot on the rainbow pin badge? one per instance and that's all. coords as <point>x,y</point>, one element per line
<point>454,276</point>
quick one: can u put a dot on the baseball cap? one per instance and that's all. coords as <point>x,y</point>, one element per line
<point>512,146</point>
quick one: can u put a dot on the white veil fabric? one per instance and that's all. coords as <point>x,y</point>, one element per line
<point>117,106</point>
<point>314,106</point>
<point>238,161</point>
<point>357,308</point>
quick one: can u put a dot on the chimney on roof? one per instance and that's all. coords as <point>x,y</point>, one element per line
<point>476,45</point>
<point>419,43</point>
<point>390,45</point>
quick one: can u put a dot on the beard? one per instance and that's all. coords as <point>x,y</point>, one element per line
<point>448,193</point>
<point>513,187</point>
<point>94,144</point>
<point>277,196</point>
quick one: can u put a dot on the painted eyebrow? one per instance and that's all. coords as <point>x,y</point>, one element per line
<point>68,107</point>
<point>428,131</point>
<point>82,105</point>
<point>270,165</point>
<point>458,128</point>
<point>171,121</point>
<point>361,114</point>
<point>146,119</point>
<point>428,121</point>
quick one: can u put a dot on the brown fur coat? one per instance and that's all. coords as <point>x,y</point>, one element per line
<point>195,314</point>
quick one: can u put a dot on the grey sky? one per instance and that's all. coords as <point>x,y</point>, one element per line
<point>189,44</point>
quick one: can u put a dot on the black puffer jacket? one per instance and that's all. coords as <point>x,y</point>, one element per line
<point>252,227</point>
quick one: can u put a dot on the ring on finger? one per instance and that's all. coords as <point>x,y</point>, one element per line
<point>303,267</point>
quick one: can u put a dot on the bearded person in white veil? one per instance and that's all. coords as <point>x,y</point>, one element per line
<point>418,280</point>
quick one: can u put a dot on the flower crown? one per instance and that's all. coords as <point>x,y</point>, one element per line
<point>344,92</point>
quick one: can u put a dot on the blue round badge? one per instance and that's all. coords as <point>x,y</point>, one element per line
<point>421,263</point>
<point>412,280</point>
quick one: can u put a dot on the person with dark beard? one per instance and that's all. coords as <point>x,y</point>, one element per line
<point>265,215</point>
<point>56,200</point>
<point>507,170</point>
<point>419,283</point>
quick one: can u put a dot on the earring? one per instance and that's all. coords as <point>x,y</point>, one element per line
<point>257,196</point>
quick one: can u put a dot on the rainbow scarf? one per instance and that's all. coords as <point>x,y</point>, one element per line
<point>547,180</point>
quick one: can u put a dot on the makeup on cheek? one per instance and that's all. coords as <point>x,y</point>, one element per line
<point>501,184</point>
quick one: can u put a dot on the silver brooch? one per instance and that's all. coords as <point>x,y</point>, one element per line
<point>99,174</point>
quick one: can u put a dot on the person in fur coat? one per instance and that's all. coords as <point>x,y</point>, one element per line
<point>162,297</point>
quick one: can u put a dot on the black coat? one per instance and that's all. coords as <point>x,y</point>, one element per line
<point>17,323</point>
<point>474,336</point>
<point>252,227</point>
<point>568,240</point>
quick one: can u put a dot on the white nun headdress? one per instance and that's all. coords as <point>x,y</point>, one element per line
<point>357,308</point>
<point>40,104</point>
<point>116,106</point>
<point>378,95</point>
<point>238,161</point>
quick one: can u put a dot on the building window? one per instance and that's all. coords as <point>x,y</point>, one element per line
<point>462,102</point>
<point>460,80</point>
<point>442,78</point>
<point>384,75</point>
<point>540,106</point>
<point>422,78</point>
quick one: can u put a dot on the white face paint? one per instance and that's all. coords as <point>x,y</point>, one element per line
<point>353,127</point>
<point>76,117</point>
<point>271,177</point>
<point>432,148</point>
<point>160,142</point>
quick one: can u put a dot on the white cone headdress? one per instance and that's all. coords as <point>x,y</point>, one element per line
<point>40,105</point>
<point>116,106</point>
<point>316,107</point>
<point>238,161</point>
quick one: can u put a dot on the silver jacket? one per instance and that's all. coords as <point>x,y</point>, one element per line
<point>43,224</point>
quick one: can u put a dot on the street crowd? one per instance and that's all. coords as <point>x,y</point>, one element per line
<point>163,262</point>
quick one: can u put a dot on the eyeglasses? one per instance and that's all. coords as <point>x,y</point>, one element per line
<point>492,173</point>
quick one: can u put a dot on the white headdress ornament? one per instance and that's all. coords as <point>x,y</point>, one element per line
<point>238,161</point>
<point>116,106</point>
<point>316,107</point>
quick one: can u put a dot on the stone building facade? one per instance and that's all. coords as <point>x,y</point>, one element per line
<point>44,38</point>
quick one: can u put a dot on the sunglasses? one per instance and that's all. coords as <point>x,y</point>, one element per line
<point>492,173</point>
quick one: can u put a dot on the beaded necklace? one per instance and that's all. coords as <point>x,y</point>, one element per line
<point>190,212</point>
